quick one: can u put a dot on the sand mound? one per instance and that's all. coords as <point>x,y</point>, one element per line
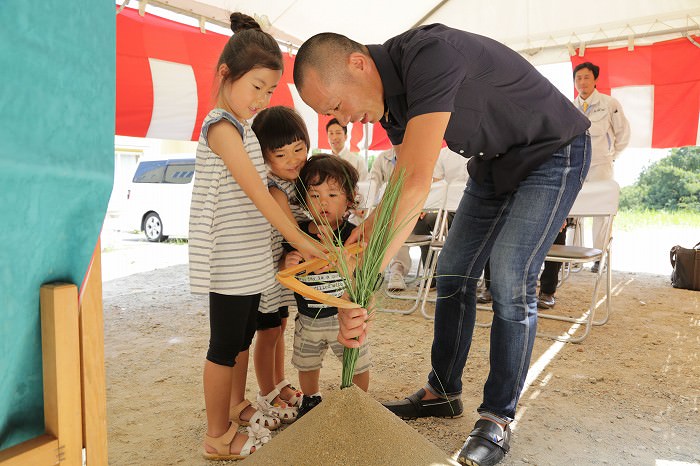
<point>349,428</point>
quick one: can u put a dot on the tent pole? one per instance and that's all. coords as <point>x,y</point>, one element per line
<point>683,31</point>
<point>430,13</point>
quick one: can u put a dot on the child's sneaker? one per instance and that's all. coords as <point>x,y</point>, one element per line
<point>307,404</point>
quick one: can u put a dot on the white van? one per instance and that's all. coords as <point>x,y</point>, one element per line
<point>158,199</point>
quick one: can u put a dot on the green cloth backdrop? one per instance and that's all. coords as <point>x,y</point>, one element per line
<point>57,63</point>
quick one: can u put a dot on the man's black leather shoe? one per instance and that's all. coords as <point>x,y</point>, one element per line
<point>413,407</point>
<point>486,445</point>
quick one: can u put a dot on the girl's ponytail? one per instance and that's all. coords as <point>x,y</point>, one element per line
<point>241,22</point>
<point>249,47</point>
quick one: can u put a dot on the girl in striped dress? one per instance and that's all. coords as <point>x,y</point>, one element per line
<point>284,141</point>
<point>229,242</point>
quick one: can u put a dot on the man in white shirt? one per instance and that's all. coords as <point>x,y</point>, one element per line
<point>610,134</point>
<point>337,136</point>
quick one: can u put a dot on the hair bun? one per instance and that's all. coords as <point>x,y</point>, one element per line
<point>241,22</point>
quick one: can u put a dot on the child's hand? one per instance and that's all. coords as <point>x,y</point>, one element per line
<point>311,249</point>
<point>349,260</point>
<point>325,234</point>
<point>292,258</point>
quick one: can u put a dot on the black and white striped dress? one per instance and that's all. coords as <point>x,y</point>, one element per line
<point>229,239</point>
<point>273,298</point>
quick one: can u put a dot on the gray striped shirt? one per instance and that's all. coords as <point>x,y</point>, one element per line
<point>277,296</point>
<point>229,239</point>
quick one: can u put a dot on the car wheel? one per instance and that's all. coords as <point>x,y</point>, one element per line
<point>153,228</point>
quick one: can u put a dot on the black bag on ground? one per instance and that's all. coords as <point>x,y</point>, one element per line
<point>686,267</point>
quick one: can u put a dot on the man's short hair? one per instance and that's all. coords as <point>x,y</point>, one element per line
<point>321,52</point>
<point>334,121</point>
<point>589,66</point>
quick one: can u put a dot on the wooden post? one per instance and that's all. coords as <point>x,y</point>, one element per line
<point>60,348</point>
<point>75,407</point>
<point>61,356</point>
<point>92,365</point>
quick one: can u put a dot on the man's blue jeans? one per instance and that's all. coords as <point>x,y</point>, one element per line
<point>515,231</point>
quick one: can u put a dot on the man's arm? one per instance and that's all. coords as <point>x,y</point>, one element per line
<point>416,159</point>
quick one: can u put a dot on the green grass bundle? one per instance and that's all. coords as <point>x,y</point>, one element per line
<point>362,276</point>
<point>364,279</point>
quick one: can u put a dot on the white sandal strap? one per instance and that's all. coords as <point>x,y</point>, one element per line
<point>270,396</point>
<point>282,384</point>
<point>257,437</point>
<point>263,418</point>
<point>295,400</point>
<point>265,404</point>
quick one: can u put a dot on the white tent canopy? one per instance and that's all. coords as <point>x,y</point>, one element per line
<point>545,31</point>
<point>658,90</point>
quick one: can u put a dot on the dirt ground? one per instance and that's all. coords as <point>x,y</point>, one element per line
<point>629,394</point>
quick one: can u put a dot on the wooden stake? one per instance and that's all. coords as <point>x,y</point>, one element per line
<point>92,364</point>
<point>60,348</point>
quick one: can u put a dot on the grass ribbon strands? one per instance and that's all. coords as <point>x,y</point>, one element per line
<point>362,277</point>
<point>366,279</point>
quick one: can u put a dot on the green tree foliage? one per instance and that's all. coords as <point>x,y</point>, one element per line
<point>672,183</point>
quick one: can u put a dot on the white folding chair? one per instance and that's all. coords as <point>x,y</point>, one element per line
<point>452,200</point>
<point>596,199</point>
<point>433,204</point>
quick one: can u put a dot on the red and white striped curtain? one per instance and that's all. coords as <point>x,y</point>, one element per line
<point>658,86</point>
<point>165,83</point>
<point>165,77</point>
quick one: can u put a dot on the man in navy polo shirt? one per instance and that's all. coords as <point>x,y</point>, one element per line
<point>529,156</point>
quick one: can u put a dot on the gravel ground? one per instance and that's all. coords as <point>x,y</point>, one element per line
<point>629,394</point>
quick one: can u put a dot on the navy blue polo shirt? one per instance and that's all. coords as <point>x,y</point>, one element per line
<point>506,116</point>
